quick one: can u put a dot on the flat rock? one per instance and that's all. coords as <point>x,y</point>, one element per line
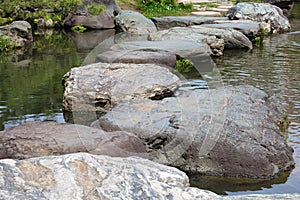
<point>86,176</point>
<point>207,13</point>
<point>261,12</point>
<point>249,28</point>
<point>183,21</point>
<point>228,131</point>
<point>37,139</point>
<point>216,38</point>
<point>101,85</point>
<point>164,58</point>
<point>180,47</point>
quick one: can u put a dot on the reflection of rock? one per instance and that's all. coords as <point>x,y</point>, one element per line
<point>228,131</point>
<point>101,85</point>
<point>104,20</point>
<point>261,12</point>
<point>49,138</point>
<point>134,22</point>
<point>19,33</point>
<point>86,176</point>
<point>90,39</point>
<point>138,57</point>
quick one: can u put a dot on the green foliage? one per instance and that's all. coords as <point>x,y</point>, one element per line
<point>208,4</point>
<point>6,44</point>
<point>283,125</point>
<point>78,29</point>
<point>33,9</point>
<point>183,65</point>
<point>95,9</point>
<point>260,36</point>
<point>154,8</point>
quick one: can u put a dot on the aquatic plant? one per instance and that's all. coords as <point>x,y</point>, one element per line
<point>78,29</point>
<point>183,65</point>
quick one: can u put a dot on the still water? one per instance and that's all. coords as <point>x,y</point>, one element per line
<point>31,89</point>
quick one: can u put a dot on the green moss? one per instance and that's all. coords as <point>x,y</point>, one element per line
<point>78,29</point>
<point>95,9</point>
<point>184,65</point>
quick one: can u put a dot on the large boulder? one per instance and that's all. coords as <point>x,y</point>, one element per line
<point>229,131</point>
<point>37,139</point>
<point>103,20</point>
<point>85,176</point>
<point>214,37</point>
<point>285,5</point>
<point>18,32</point>
<point>134,22</point>
<point>101,85</point>
<point>183,21</point>
<point>261,12</point>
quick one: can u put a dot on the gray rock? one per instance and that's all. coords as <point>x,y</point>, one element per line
<point>215,38</point>
<point>138,57</point>
<point>37,139</point>
<point>101,85</point>
<point>82,17</point>
<point>180,47</point>
<point>229,131</point>
<point>134,22</point>
<point>249,28</point>
<point>86,176</point>
<point>261,12</point>
<point>183,21</point>
<point>19,33</point>
<point>285,5</point>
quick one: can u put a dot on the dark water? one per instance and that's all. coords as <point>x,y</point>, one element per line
<point>31,89</point>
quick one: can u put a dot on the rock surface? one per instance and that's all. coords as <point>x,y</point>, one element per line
<point>37,139</point>
<point>101,85</point>
<point>138,57</point>
<point>249,28</point>
<point>86,176</point>
<point>261,12</point>
<point>180,47</point>
<point>19,33</point>
<point>134,22</point>
<point>81,17</point>
<point>183,21</point>
<point>215,38</point>
<point>228,131</point>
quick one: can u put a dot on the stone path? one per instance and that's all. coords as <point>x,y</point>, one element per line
<point>209,8</point>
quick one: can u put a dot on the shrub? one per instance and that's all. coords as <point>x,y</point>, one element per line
<point>95,9</point>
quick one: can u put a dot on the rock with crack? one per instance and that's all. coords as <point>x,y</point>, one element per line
<point>101,85</point>
<point>37,139</point>
<point>228,131</point>
<point>86,176</point>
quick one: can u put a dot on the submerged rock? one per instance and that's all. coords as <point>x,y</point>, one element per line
<point>134,22</point>
<point>37,139</point>
<point>86,176</point>
<point>101,85</point>
<point>261,12</point>
<point>228,131</point>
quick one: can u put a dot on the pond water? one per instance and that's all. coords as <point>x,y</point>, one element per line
<point>31,89</point>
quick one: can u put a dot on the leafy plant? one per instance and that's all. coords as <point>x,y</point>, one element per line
<point>6,44</point>
<point>183,65</point>
<point>78,29</point>
<point>95,9</point>
<point>154,8</point>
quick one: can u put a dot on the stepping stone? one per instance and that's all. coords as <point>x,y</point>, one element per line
<point>222,10</point>
<point>207,13</point>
